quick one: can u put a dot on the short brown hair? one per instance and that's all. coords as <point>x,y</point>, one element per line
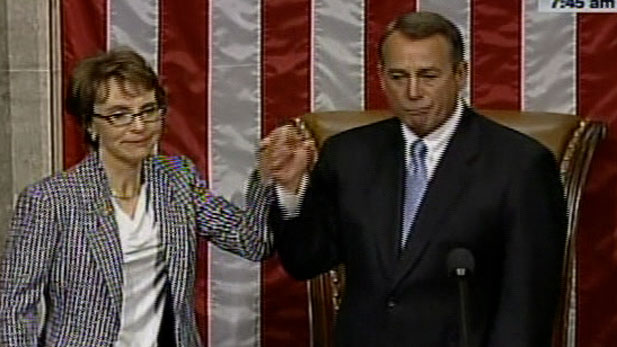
<point>420,25</point>
<point>89,79</point>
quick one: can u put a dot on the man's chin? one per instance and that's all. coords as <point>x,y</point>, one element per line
<point>415,123</point>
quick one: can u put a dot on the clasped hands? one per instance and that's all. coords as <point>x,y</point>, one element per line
<point>286,155</point>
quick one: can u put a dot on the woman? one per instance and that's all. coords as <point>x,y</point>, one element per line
<point>110,244</point>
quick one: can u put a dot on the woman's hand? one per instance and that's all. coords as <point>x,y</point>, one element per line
<point>286,155</point>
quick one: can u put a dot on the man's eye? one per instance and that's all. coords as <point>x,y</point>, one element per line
<point>429,76</point>
<point>397,77</point>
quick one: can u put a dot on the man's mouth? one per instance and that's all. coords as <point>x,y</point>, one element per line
<point>417,111</point>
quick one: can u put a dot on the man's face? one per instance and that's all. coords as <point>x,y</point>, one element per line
<point>420,80</point>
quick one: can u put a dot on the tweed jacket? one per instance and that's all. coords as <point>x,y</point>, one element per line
<point>63,246</point>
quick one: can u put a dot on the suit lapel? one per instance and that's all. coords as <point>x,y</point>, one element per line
<point>445,189</point>
<point>104,240</point>
<point>386,198</point>
<point>162,197</point>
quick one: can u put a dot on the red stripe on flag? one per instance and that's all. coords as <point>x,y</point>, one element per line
<point>183,40</point>
<point>285,60</point>
<point>496,54</point>
<point>285,94</point>
<point>378,15</point>
<point>84,33</point>
<point>597,99</point>
<point>183,69</point>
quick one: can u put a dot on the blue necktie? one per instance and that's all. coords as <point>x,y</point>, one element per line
<point>415,185</point>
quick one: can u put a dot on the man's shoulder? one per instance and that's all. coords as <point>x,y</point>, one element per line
<point>369,133</point>
<point>504,138</point>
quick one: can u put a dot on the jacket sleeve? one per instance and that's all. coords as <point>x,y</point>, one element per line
<point>24,268</point>
<point>240,231</point>
<point>308,243</point>
<point>535,216</point>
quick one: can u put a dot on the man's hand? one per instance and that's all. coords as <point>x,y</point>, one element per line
<point>286,155</point>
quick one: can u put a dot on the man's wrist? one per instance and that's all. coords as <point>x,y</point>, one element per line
<point>291,201</point>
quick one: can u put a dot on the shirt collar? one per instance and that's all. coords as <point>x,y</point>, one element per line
<point>437,140</point>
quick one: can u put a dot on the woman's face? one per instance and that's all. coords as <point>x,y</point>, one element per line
<point>126,143</point>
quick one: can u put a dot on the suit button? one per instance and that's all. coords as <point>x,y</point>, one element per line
<point>391,304</point>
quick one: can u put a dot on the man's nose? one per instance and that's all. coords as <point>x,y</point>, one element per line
<point>413,89</point>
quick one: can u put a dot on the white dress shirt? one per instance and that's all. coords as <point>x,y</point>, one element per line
<point>143,294</point>
<point>436,142</point>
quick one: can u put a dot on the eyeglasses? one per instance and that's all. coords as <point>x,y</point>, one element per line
<point>119,119</point>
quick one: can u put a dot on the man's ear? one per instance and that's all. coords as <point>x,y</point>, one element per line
<point>461,71</point>
<point>382,76</point>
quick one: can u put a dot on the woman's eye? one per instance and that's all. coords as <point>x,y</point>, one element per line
<point>119,115</point>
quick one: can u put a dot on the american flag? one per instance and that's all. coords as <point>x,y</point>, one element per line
<point>234,69</point>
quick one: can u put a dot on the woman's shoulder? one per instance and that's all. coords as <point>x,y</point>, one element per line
<point>53,186</point>
<point>172,162</point>
<point>177,167</point>
<point>71,182</point>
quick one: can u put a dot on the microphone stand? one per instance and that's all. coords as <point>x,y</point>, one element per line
<point>463,288</point>
<point>460,263</point>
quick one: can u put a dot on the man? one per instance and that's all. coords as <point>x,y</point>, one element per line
<point>391,200</point>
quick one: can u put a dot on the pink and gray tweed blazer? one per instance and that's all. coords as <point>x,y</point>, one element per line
<point>63,246</point>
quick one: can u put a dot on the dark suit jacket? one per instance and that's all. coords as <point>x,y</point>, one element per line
<point>496,192</point>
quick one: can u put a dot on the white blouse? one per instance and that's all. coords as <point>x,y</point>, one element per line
<point>143,294</point>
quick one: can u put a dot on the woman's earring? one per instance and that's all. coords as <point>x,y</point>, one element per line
<point>94,137</point>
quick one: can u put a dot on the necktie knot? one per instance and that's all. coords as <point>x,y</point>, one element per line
<point>418,156</point>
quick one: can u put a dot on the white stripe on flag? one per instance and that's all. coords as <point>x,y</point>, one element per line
<point>549,61</point>
<point>235,129</point>
<point>338,55</point>
<point>135,24</point>
<point>460,15</point>
<point>312,54</point>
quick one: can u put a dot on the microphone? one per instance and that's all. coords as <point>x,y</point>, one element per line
<point>461,264</point>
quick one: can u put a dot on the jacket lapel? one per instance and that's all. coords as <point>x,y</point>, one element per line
<point>384,212</point>
<point>166,213</point>
<point>445,189</point>
<point>160,194</point>
<point>104,240</point>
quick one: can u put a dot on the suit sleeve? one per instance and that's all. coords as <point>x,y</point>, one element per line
<point>24,268</point>
<point>535,216</point>
<point>308,243</point>
<point>243,232</point>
